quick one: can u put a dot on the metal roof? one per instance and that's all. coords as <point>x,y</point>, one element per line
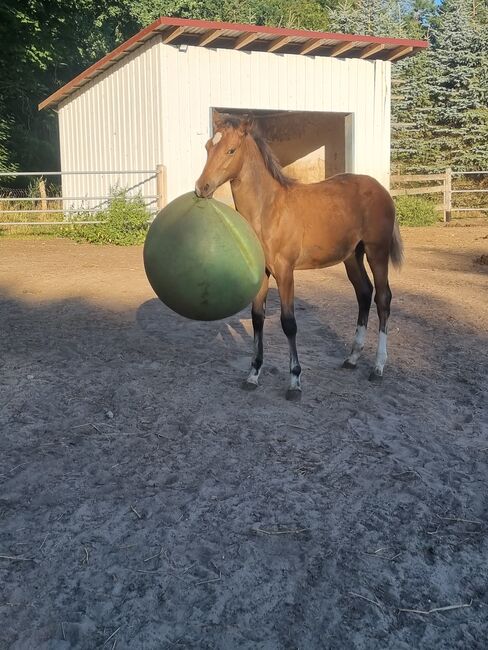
<point>202,33</point>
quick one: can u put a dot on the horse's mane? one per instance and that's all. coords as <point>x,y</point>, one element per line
<point>270,160</point>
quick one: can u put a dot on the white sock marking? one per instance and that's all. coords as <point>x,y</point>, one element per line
<point>253,377</point>
<point>358,344</point>
<point>381,353</point>
<point>295,382</point>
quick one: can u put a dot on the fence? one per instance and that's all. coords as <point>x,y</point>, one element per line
<point>71,203</point>
<point>95,195</point>
<point>444,186</point>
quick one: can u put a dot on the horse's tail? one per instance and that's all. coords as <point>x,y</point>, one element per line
<point>396,247</point>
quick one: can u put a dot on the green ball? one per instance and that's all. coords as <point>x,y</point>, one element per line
<point>203,259</point>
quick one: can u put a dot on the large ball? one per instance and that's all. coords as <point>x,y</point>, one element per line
<point>203,259</point>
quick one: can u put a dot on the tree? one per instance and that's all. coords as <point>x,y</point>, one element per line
<point>44,44</point>
<point>375,17</point>
<point>459,91</point>
<point>411,141</point>
<point>304,14</point>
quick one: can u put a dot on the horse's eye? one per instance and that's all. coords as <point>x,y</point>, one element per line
<point>231,151</point>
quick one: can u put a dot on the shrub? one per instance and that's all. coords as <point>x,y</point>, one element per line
<point>415,211</point>
<point>124,222</point>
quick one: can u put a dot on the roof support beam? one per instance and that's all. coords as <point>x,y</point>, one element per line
<point>172,34</point>
<point>311,45</point>
<point>399,52</point>
<point>278,43</point>
<point>371,50</point>
<point>210,36</point>
<point>245,39</point>
<point>341,48</point>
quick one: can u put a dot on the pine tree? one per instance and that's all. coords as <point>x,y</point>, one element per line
<point>411,141</point>
<point>459,60</point>
<point>375,17</point>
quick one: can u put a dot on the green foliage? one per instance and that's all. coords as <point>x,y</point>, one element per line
<point>381,17</point>
<point>441,114</point>
<point>5,161</point>
<point>45,43</point>
<point>125,222</point>
<point>460,88</point>
<point>439,109</point>
<point>415,211</point>
<point>306,14</point>
<point>411,142</point>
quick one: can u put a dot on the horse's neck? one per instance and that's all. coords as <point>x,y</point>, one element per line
<point>254,190</point>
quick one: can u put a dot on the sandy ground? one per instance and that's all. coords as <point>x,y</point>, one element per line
<point>147,502</point>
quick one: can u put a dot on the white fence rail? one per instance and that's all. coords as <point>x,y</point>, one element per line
<point>74,208</point>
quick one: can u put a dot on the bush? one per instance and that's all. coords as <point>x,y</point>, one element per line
<point>125,222</point>
<point>415,211</point>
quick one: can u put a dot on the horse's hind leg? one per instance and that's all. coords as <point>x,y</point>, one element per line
<point>258,315</point>
<point>378,261</point>
<point>364,290</point>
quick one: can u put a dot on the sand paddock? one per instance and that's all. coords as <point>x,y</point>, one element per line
<point>147,502</point>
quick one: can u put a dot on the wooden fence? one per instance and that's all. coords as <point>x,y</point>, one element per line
<point>444,186</point>
<point>59,210</point>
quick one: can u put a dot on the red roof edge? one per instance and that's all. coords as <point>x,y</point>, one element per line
<point>145,33</point>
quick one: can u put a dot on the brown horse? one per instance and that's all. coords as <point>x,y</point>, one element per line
<point>306,226</point>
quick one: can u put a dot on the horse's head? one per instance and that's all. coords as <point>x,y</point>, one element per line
<point>225,153</point>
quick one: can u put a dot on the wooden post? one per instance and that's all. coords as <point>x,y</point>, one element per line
<point>448,195</point>
<point>161,186</point>
<point>42,193</point>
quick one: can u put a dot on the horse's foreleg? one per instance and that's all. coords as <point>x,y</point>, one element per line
<point>258,315</point>
<point>286,289</point>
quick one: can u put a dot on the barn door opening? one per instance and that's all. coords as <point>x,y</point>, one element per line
<point>311,146</point>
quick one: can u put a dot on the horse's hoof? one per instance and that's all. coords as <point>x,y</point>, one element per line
<point>375,377</point>
<point>350,366</point>
<point>249,386</point>
<point>293,394</point>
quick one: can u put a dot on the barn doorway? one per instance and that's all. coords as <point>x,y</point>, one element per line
<point>311,146</point>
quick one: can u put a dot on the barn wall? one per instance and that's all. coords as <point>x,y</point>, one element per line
<point>154,107</point>
<point>114,124</point>
<point>202,78</point>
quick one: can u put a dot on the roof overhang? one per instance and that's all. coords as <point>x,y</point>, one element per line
<point>202,33</point>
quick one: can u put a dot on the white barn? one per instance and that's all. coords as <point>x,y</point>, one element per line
<point>323,101</point>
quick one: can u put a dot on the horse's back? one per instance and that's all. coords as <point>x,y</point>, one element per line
<point>356,193</point>
<point>362,182</point>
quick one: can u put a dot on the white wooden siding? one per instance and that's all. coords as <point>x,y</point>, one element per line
<point>154,107</point>
<point>114,124</point>
<point>208,78</point>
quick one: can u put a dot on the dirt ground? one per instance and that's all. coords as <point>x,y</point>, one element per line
<point>147,502</point>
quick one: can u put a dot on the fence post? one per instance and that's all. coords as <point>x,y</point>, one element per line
<point>42,193</point>
<point>448,195</point>
<point>161,186</point>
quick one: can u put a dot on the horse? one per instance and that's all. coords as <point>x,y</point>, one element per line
<point>305,226</point>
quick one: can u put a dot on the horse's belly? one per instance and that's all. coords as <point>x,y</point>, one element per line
<point>320,256</point>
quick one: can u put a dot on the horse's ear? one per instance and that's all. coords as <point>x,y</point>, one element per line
<point>247,125</point>
<point>217,121</point>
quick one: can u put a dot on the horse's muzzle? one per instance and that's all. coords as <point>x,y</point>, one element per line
<point>204,191</point>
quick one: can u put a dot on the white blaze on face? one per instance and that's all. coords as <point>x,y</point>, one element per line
<point>217,138</point>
